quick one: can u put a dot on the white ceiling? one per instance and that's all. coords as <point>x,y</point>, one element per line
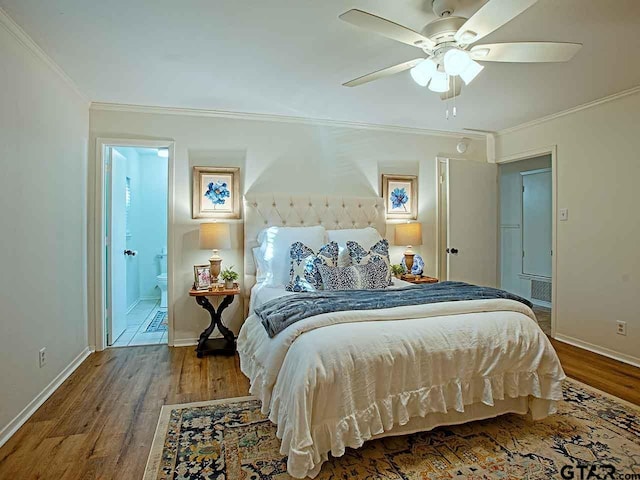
<point>290,57</point>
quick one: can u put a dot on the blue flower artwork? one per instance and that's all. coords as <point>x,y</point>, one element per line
<point>399,198</point>
<point>217,192</point>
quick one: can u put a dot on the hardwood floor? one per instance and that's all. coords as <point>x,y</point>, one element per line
<point>101,421</point>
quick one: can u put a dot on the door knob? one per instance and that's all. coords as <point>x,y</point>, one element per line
<point>454,251</point>
<point>131,253</point>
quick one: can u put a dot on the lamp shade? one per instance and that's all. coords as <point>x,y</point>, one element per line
<point>408,234</point>
<point>215,236</point>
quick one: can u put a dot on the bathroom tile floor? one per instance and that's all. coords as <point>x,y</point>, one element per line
<point>138,319</point>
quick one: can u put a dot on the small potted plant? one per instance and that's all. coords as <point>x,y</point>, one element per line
<point>229,276</point>
<point>397,270</point>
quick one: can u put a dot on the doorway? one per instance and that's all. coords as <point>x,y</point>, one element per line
<point>526,233</point>
<point>135,249</point>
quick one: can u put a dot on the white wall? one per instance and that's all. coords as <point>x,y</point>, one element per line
<point>276,157</point>
<point>511,223</point>
<point>43,150</point>
<point>598,267</point>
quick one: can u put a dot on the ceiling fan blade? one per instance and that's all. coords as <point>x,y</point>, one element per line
<point>385,72</point>
<point>386,28</point>
<point>525,52</point>
<point>491,16</point>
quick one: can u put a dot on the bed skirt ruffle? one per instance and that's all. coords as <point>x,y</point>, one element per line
<point>306,456</point>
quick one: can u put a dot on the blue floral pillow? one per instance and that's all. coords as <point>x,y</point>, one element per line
<point>304,275</point>
<point>370,276</point>
<point>378,253</point>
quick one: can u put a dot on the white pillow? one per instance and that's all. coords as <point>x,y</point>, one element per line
<point>261,268</point>
<point>275,243</point>
<point>367,237</point>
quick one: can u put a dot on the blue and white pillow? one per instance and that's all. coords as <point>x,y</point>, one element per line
<point>378,253</point>
<point>304,275</point>
<point>370,276</point>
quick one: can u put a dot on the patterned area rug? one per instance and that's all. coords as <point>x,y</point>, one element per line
<point>159,322</point>
<point>230,439</point>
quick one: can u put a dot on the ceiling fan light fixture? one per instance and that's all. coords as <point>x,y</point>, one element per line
<point>456,61</point>
<point>423,72</point>
<point>439,82</point>
<point>471,72</point>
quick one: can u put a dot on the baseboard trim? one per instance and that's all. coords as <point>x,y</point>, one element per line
<point>7,432</point>
<point>621,357</point>
<point>185,342</point>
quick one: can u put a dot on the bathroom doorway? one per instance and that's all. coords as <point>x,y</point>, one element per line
<point>135,249</point>
<point>526,233</point>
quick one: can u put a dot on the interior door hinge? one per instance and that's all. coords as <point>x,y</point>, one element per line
<point>441,179</point>
<point>522,253</point>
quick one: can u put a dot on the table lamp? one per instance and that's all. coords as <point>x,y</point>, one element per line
<point>215,236</point>
<point>408,234</point>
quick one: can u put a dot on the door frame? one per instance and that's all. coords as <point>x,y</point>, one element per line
<point>526,155</point>
<point>100,261</point>
<point>441,163</point>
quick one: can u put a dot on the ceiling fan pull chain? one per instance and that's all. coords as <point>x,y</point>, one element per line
<point>454,98</point>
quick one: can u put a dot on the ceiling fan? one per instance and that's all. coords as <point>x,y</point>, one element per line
<point>447,42</point>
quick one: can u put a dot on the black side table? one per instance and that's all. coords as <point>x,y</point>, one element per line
<point>215,346</point>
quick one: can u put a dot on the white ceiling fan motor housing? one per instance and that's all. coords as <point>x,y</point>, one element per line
<point>443,29</point>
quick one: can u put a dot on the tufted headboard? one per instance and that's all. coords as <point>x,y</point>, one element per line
<point>267,210</point>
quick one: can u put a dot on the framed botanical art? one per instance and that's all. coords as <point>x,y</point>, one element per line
<point>400,193</point>
<point>216,192</point>
<point>201,277</point>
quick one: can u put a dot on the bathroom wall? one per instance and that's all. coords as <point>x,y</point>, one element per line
<point>147,224</point>
<point>149,219</point>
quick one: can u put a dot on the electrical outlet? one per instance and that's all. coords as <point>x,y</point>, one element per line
<point>42,357</point>
<point>621,328</point>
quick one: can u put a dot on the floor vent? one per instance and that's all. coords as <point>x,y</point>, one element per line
<point>541,290</point>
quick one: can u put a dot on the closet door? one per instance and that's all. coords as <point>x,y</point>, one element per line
<point>473,222</point>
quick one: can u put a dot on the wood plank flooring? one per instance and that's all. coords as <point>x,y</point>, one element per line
<point>101,421</point>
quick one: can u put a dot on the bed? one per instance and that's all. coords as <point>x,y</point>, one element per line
<point>335,380</point>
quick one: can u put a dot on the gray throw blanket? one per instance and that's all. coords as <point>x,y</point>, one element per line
<point>279,313</point>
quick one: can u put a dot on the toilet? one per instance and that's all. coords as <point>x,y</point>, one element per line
<point>162,278</point>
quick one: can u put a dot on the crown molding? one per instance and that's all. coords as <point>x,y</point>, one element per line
<point>197,112</point>
<point>26,41</point>
<point>585,106</point>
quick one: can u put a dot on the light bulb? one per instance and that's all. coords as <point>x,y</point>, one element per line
<point>423,72</point>
<point>456,61</point>
<point>471,72</point>
<point>439,82</point>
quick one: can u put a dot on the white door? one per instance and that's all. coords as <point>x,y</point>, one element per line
<point>473,222</point>
<point>537,223</point>
<point>117,234</point>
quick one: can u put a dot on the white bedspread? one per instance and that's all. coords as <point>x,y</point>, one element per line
<point>336,380</point>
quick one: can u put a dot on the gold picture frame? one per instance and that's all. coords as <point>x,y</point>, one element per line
<point>400,194</point>
<point>216,192</point>
<point>201,277</point>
